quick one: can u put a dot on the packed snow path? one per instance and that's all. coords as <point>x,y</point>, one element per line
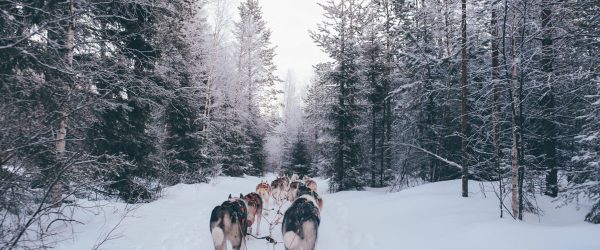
<point>431,216</point>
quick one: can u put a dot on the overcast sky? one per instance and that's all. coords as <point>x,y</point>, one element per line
<point>290,20</point>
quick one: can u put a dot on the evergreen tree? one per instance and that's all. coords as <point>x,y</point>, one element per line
<point>256,83</point>
<point>125,116</point>
<point>182,71</point>
<point>318,125</point>
<point>583,110</point>
<point>341,43</point>
<point>299,159</point>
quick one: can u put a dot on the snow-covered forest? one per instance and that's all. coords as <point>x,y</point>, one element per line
<point>126,102</point>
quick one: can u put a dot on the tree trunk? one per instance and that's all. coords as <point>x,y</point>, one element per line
<point>382,148</point>
<point>387,110</point>
<point>373,146</point>
<point>464,118</point>
<point>516,184</point>
<point>548,103</point>
<point>496,104</point>
<point>63,119</point>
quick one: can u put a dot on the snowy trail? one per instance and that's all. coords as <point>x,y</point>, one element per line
<point>432,216</point>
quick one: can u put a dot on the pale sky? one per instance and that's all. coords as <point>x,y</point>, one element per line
<point>290,20</point>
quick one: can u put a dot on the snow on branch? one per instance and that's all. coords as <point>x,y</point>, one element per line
<point>451,163</point>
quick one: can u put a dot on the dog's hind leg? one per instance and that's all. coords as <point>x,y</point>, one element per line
<point>218,228</point>
<point>291,240</point>
<point>219,238</point>
<point>223,245</point>
<point>310,231</point>
<point>266,202</point>
<point>259,215</point>
<point>237,240</point>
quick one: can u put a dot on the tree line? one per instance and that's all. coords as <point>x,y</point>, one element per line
<point>116,99</point>
<point>504,91</point>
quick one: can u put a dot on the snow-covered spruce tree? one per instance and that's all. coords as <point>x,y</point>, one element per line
<point>181,69</point>
<point>122,136</point>
<point>37,108</point>
<point>76,66</point>
<point>256,81</point>
<point>376,78</point>
<point>586,177</point>
<point>341,42</point>
<point>299,162</point>
<point>229,153</point>
<point>222,112</point>
<point>584,174</point>
<point>320,99</point>
<point>292,124</point>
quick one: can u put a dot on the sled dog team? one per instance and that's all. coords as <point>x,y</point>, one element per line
<point>233,219</point>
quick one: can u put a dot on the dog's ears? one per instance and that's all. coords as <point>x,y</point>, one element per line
<point>241,196</point>
<point>229,196</point>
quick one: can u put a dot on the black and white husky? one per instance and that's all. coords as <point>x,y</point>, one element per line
<point>229,222</point>
<point>301,221</point>
<point>279,189</point>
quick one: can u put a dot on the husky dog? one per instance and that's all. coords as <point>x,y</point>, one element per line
<point>301,221</point>
<point>304,190</point>
<point>279,188</point>
<point>264,190</point>
<point>294,185</point>
<point>311,184</point>
<point>305,178</point>
<point>255,207</point>
<point>295,177</point>
<point>228,222</point>
<point>231,220</point>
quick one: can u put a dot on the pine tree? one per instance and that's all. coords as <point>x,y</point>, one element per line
<point>584,175</point>
<point>319,127</point>
<point>342,45</point>
<point>182,71</point>
<point>256,79</point>
<point>300,162</point>
<point>121,135</point>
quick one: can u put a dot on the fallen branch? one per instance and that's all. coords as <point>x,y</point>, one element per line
<point>449,162</point>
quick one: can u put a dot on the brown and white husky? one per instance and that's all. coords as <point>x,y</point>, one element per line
<point>255,208</point>
<point>264,190</point>
<point>301,221</point>
<point>311,184</point>
<point>231,220</point>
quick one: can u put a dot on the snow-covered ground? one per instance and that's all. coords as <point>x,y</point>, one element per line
<point>431,216</point>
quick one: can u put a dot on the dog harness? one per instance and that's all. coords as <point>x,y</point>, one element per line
<point>311,201</point>
<point>253,199</point>
<point>302,210</point>
<point>239,210</point>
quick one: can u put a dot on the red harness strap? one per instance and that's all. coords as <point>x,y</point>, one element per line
<point>253,199</point>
